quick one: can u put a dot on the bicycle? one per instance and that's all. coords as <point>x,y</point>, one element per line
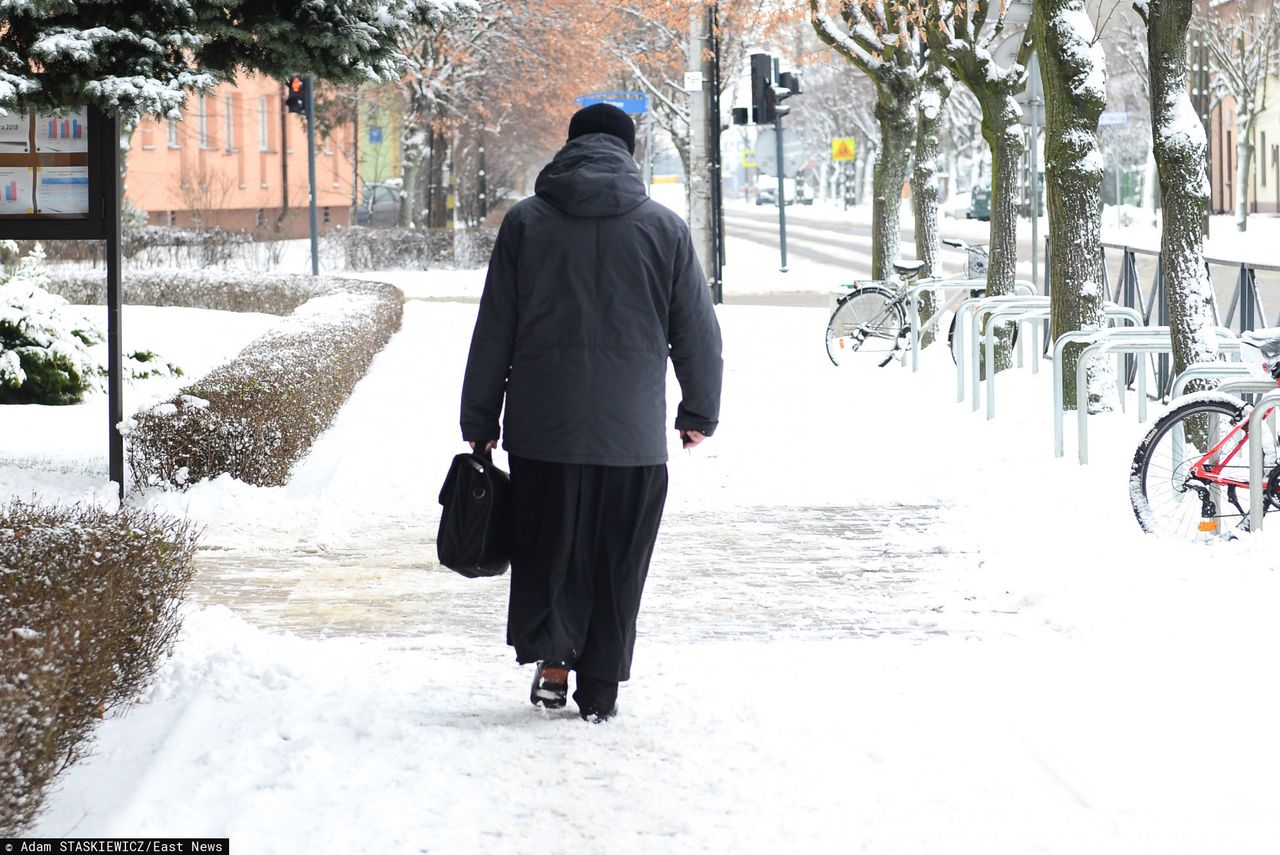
<point>1190,474</point>
<point>871,320</point>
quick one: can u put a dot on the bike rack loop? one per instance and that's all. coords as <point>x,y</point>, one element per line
<point>965,318</point>
<point>1116,341</point>
<point>919,288</point>
<point>985,309</point>
<point>1266,402</point>
<point>1021,289</point>
<point>1209,371</point>
<point>1111,312</point>
<point>1028,315</point>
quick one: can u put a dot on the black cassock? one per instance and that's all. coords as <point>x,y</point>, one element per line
<point>582,537</point>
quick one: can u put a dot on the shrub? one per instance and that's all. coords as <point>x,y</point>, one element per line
<point>230,291</point>
<point>89,602</point>
<point>383,249</point>
<point>257,415</point>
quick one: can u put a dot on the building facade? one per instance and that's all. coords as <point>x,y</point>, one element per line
<point>238,159</point>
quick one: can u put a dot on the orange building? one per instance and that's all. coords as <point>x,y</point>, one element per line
<point>238,159</point>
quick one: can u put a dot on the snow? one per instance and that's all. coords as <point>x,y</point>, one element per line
<point>875,622</point>
<point>1081,49</point>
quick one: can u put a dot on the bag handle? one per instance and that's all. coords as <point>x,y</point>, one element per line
<point>481,450</point>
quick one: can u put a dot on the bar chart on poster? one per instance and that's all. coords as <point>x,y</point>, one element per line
<point>62,133</point>
<point>15,190</point>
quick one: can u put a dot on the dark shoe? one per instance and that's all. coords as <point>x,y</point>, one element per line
<point>550,685</point>
<point>597,700</point>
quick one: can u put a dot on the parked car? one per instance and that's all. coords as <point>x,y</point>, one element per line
<point>980,202</point>
<point>766,196</point>
<point>379,207</point>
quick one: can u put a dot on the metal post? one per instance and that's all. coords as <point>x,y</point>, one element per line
<point>311,171</point>
<point>714,166</point>
<point>782,198</point>
<point>482,182</point>
<point>114,191</point>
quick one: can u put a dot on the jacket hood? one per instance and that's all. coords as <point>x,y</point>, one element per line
<point>592,176</point>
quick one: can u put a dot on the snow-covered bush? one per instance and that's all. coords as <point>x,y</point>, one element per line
<point>386,249</point>
<point>46,354</point>
<point>89,602</point>
<point>257,415</point>
<point>228,291</point>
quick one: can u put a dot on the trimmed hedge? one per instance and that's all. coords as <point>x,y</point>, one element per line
<point>89,602</point>
<point>384,249</point>
<point>257,415</point>
<point>230,291</point>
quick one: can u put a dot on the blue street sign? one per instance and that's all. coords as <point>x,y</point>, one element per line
<point>635,103</point>
<point>375,134</point>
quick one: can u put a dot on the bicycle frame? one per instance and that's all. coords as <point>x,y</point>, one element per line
<point>1210,473</point>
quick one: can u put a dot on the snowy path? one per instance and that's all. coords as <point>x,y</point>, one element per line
<point>857,637</point>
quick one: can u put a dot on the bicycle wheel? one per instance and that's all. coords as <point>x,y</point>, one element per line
<point>868,323</point>
<point>1168,497</point>
<point>951,331</point>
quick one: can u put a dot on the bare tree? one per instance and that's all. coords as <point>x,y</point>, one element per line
<point>881,38</point>
<point>1181,150</point>
<point>1244,52</point>
<point>1073,71</point>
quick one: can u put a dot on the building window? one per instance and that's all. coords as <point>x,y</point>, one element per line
<point>260,219</point>
<point>326,216</point>
<point>264,136</point>
<point>173,218</point>
<point>202,115</point>
<point>1263,148</point>
<point>148,133</point>
<point>229,108</point>
<point>173,133</point>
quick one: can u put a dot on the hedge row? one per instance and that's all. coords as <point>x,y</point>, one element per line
<point>89,602</point>
<point>385,249</point>
<point>257,415</point>
<point>145,244</point>
<point>231,291</point>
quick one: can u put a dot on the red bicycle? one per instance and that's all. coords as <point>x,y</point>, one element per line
<point>1190,475</point>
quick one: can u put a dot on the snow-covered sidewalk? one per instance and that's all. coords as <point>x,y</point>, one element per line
<point>874,623</point>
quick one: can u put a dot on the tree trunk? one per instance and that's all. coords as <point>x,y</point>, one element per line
<point>893,162</point>
<point>924,183</point>
<point>1073,71</point>
<point>1180,147</point>
<point>1244,159</point>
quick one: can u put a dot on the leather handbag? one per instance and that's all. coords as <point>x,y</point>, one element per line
<point>475,517</point>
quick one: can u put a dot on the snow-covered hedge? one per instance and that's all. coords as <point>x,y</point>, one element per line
<point>89,602</point>
<point>385,249</point>
<point>257,415</point>
<point>227,290</point>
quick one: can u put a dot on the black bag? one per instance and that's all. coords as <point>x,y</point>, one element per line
<point>475,518</point>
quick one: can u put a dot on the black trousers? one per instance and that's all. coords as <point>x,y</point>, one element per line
<point>582,537</point>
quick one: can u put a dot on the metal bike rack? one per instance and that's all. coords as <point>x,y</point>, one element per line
<point>914,293</point>
<point>1024,291</point>
<point>1266,402</point>
<point>983,311</point>
<point>1121,342</point>
<point>1209,371</point>
<point>1246,387</point>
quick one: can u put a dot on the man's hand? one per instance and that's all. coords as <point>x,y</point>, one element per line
<point>690,438</point>
<point>489,444</point>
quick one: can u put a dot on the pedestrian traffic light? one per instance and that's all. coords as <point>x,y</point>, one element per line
<point>295,100</point>
<point>791,80</point>
<point>740,116</point>
<point>761,78</point>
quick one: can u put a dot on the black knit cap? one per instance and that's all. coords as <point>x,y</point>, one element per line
<point>604,118</point>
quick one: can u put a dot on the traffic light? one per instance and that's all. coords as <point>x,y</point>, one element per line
<point>761,78</point>
<point>788,85</point>
<point>740,116</point>
<point>296,99</point>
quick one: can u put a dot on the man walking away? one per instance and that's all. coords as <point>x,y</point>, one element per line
<point>591,287</point>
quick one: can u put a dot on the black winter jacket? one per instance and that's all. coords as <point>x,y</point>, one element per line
<point>591,287</point>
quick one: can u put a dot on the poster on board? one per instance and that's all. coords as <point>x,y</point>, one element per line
<point>15,189</point>
<point>62,190</point>
<point>15,134</point>
<point>62,133</point>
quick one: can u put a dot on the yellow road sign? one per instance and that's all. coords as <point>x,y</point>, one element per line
<point>842,148</point>
<point>748,159</point>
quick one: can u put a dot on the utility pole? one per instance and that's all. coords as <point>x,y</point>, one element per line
<point>311,171</point>
<point>715,167</point>
<point>695,83</point>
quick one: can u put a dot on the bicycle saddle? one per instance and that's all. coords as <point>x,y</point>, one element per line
<point>1262,347</point>
<point>908,269</point>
